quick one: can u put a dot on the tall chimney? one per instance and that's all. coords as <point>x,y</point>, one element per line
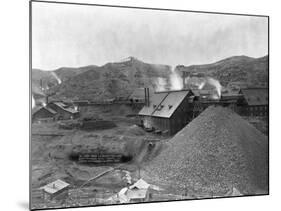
<point>147,96</point>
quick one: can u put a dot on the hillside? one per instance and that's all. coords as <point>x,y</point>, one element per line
<point>117,79</point>
<point>237,70</point>
<point>49,80</point>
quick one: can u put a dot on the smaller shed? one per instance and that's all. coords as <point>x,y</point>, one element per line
<point>43,113</point>
<point>64,111</point>
<point>138,192</point>
<point>55,189</point>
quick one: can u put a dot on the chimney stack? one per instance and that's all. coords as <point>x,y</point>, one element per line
<point>146,96</point>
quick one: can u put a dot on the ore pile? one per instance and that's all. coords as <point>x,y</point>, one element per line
<point>214,154</point>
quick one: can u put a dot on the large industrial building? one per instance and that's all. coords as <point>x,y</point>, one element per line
<point>169,111</point>
<point>254,102</point>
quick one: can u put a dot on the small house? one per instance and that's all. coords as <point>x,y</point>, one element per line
<point>64,111</point>
<point>138,192</point>
<point>43,114</point>
<point>55,189</point>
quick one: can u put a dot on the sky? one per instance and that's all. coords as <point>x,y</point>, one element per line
<point>66,35</point>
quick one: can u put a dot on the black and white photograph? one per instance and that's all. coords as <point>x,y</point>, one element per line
<point>135,105</point>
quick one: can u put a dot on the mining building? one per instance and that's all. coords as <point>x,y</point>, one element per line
<point>254,102</point>
<point>168,112</point>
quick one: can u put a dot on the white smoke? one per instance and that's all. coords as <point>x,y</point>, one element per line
<point>160,84</point>
<point>216,84</point>
<point>176,80</point>
<point>56,77</point>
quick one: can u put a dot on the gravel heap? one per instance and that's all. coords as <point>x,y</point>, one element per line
<point>216,152</point>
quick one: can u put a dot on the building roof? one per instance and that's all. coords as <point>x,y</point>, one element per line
<point>36,109</point>
<point>255,96</point>
<point>55,186</point>
<point>164,104</point>
<point>154,100</point>
<point>136,193</point>
<point>140,184</point>
<point>65,107</point>
<point>170,103</point>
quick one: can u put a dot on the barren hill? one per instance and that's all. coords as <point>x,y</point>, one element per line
<point>237,69</point>
<point>111,80</point>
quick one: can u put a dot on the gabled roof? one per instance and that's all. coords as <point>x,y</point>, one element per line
<point>154,100</point>
<point>255,96</point>
<point>36,109</point>
<point>65,107</point>
<point>55,186</point>
<point>140,184</point>
<point>164,104</point>
<point>170,103</point>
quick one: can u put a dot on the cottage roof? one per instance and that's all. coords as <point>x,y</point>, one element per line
<point>65,107</point>
<point>36,109</point>
<point>55,186</point>
<point>255,96</point>
<point>140,184</point>
<point>170,103</point>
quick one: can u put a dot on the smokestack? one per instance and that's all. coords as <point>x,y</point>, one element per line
<point>147,96</point>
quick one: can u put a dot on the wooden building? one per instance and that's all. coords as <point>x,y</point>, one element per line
<point>55,189</point>
<point>167,112</point>
<point>43,114</point>
<point>254,102</point>
<point>63,111</point>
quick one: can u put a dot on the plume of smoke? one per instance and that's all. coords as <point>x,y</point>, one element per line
<point>175,80</point>
<point>216,84</point>
<point>160,84</point>
<point>56,77</point>
<point>201,82</point>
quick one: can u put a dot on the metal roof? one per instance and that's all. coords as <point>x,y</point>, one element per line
<point>154,100</point>
<point>170,103</point>
<point>255,96</point>
<point>140,184</point>
<point>36,109</point>
<point>55,186</point>
<point>65,107</point>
